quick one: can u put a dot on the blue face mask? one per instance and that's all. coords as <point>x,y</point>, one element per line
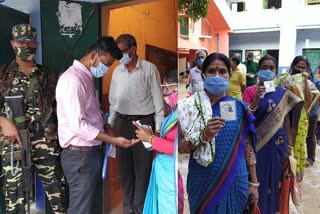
<point>266,75</point>
<point>99,71</point>
<point>200,62</point>
<point>216,85</point>
<point>125,59</point>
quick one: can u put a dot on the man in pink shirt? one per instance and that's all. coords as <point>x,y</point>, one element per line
<point>80,126</point>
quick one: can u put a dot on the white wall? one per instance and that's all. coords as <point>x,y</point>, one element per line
<point>31,7</point>
<point>314,39</point>
<point>253,41</point>
<point>292,11</point>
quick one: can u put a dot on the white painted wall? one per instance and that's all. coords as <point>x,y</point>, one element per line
<point>251,28</point>
<point>31,7</point>
<point>253,41</point>
<point>292,11</point>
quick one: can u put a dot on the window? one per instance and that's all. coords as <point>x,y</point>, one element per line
<point>272,4</point>
<point>237,6</point>
<point>184,26</point>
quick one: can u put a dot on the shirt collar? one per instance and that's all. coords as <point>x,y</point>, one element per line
<point>83,68</point>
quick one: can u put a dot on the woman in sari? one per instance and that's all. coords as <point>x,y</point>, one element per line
<point>162,192</point>
<point>274,142</point>
<point>217,126</point>
<point>297,82</point>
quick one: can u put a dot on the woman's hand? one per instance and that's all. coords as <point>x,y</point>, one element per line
<point>289,151</point>
<point>213,127</point>
<point>143,133</point>
<point>260,90</point>
<point>254,191</point>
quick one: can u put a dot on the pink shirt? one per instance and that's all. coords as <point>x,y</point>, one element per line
<point>80,118</point>
<point>165,145</point>
<point>249,94</point>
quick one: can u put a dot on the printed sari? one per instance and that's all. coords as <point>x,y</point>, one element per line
<point>296,85</point>
<point>272,144</point>
<point>162,190</point>
<point>221,186</point>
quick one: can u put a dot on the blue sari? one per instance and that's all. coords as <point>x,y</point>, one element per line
<point>272,145</point>
<point>222,186</point>
<point>162,190</point>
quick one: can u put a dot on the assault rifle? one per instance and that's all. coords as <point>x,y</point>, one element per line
<point>16,106</point>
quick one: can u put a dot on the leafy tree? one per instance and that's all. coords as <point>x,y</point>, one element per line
<point>194,9</point>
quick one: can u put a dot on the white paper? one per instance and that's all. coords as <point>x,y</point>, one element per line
<point>146,145</point>
<point>269,85</point>
<point>228,110</point>
<point>70,18</point>
<point>112,152</point>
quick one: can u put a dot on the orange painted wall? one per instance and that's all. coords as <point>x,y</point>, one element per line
<point>152,23</point>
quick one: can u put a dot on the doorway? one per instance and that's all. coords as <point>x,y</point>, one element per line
<point>313,55</point>
<point>275,54</point>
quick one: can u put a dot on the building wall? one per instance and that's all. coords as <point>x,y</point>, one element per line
<point>153,23</point>
<point>292,11</point>
<point>256,22</point>
<point>31,7</point>
<point>253,41</point>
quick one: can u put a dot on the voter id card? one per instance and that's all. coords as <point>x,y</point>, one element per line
<point>269,85</point>
<point>228,110</point>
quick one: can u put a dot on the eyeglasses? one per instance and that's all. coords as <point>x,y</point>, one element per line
<point>301,68</point>
<point>126,50</point>
<point>268,67</point>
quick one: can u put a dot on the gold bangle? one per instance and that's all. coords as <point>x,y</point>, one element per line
<point>208,138</point>
<point>252,109</point>
<point>150,139</point>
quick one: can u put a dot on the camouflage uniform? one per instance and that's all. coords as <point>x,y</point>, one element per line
<point>41,122</point>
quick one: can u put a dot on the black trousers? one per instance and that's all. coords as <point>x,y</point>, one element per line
<point>134,166</point>
<point>311,138</point>
<point>83,174</point>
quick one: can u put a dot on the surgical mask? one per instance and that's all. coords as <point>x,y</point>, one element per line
<point>126,59</point>
<point>99,71</point>
<point>266,75</point>
<point>25,53</point>
<point>170,102</point>
<point>200,62</point>
<point>216,85</point>
<point>171,99</point>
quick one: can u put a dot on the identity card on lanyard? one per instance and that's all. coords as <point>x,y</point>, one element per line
<point>228,110</point>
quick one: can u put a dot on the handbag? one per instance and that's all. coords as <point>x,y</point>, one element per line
<point>251,208</point>
<point>289,187</point>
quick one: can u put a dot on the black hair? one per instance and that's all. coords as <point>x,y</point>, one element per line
<point>216,56</point>
<point>235,59</point>
<point>266,57</point>
<point>128,38</point>
<point>106,44</point>
<point>297,59</point>
<point>171,76</point>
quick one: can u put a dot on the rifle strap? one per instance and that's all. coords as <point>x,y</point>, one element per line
<point>20,119</point>
<point>30,88</point>
<point>17,155</point>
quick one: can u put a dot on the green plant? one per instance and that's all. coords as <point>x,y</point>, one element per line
<point>194,9</point>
